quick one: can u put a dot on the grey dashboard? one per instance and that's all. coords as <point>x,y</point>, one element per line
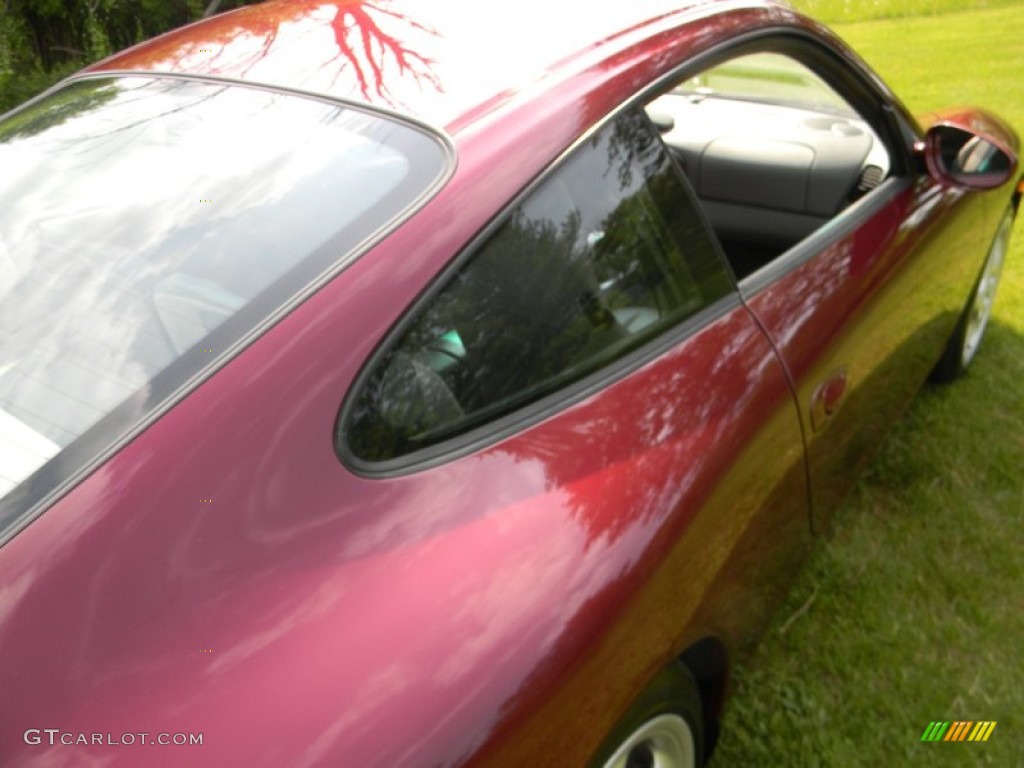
<point>766,174</point>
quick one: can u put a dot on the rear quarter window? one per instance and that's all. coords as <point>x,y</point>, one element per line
<point>605,254</point>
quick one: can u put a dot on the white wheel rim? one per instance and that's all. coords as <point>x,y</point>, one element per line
<point>985,295</point>
<point>665,741</point>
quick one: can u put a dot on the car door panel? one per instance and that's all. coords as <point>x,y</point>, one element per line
<point>860,312</point>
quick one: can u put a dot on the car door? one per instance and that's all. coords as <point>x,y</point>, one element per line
<point>848,258</point>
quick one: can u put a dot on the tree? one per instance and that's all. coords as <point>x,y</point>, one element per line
<point>42,41</point>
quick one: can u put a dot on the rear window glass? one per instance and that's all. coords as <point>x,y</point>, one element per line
<point>146,219</point>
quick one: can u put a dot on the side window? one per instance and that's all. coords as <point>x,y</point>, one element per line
<point>772,151</point>
<point>605,254</point>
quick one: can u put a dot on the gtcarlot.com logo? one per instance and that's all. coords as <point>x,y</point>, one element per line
<point>55,736</point>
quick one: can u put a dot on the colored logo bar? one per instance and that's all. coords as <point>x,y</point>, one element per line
<point>959,730</point>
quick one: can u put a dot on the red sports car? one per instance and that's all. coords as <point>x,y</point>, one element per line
<point>394,383</point>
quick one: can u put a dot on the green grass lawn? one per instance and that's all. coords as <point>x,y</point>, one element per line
<point>845,11</point>
<point>912,610</point>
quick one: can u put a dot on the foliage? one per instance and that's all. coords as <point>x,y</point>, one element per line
<point>42,41</point>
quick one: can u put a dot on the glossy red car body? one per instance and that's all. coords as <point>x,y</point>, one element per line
<point>224,573</point>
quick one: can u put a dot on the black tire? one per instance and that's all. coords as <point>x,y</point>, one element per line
<point>663,727</point>
<point>970,328</point>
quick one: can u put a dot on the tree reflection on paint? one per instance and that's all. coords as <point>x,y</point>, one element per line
<point>375,48</point>
<point>366,46</point>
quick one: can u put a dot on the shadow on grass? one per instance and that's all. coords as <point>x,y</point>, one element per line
<point>909,610</point>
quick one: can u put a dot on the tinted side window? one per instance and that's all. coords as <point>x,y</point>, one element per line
<point>607,253</point>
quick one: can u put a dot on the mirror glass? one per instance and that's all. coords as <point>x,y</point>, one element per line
<point>966,158</point>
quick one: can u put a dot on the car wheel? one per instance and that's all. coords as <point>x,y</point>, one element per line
<point>663,727</point>
<point>963,344</point>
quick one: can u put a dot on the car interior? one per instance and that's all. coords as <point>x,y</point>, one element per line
<point>771,151</point>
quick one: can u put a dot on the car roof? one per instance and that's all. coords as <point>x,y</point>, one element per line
<point>443,62</point>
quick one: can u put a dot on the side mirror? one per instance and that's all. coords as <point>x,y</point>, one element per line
<point>960,156</point>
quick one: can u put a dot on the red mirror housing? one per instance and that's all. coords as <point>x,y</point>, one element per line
<point>972,149</point>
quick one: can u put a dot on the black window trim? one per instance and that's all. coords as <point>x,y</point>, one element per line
<point>521,417</point>
<point>830,233</point>
<point>528,414</point>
